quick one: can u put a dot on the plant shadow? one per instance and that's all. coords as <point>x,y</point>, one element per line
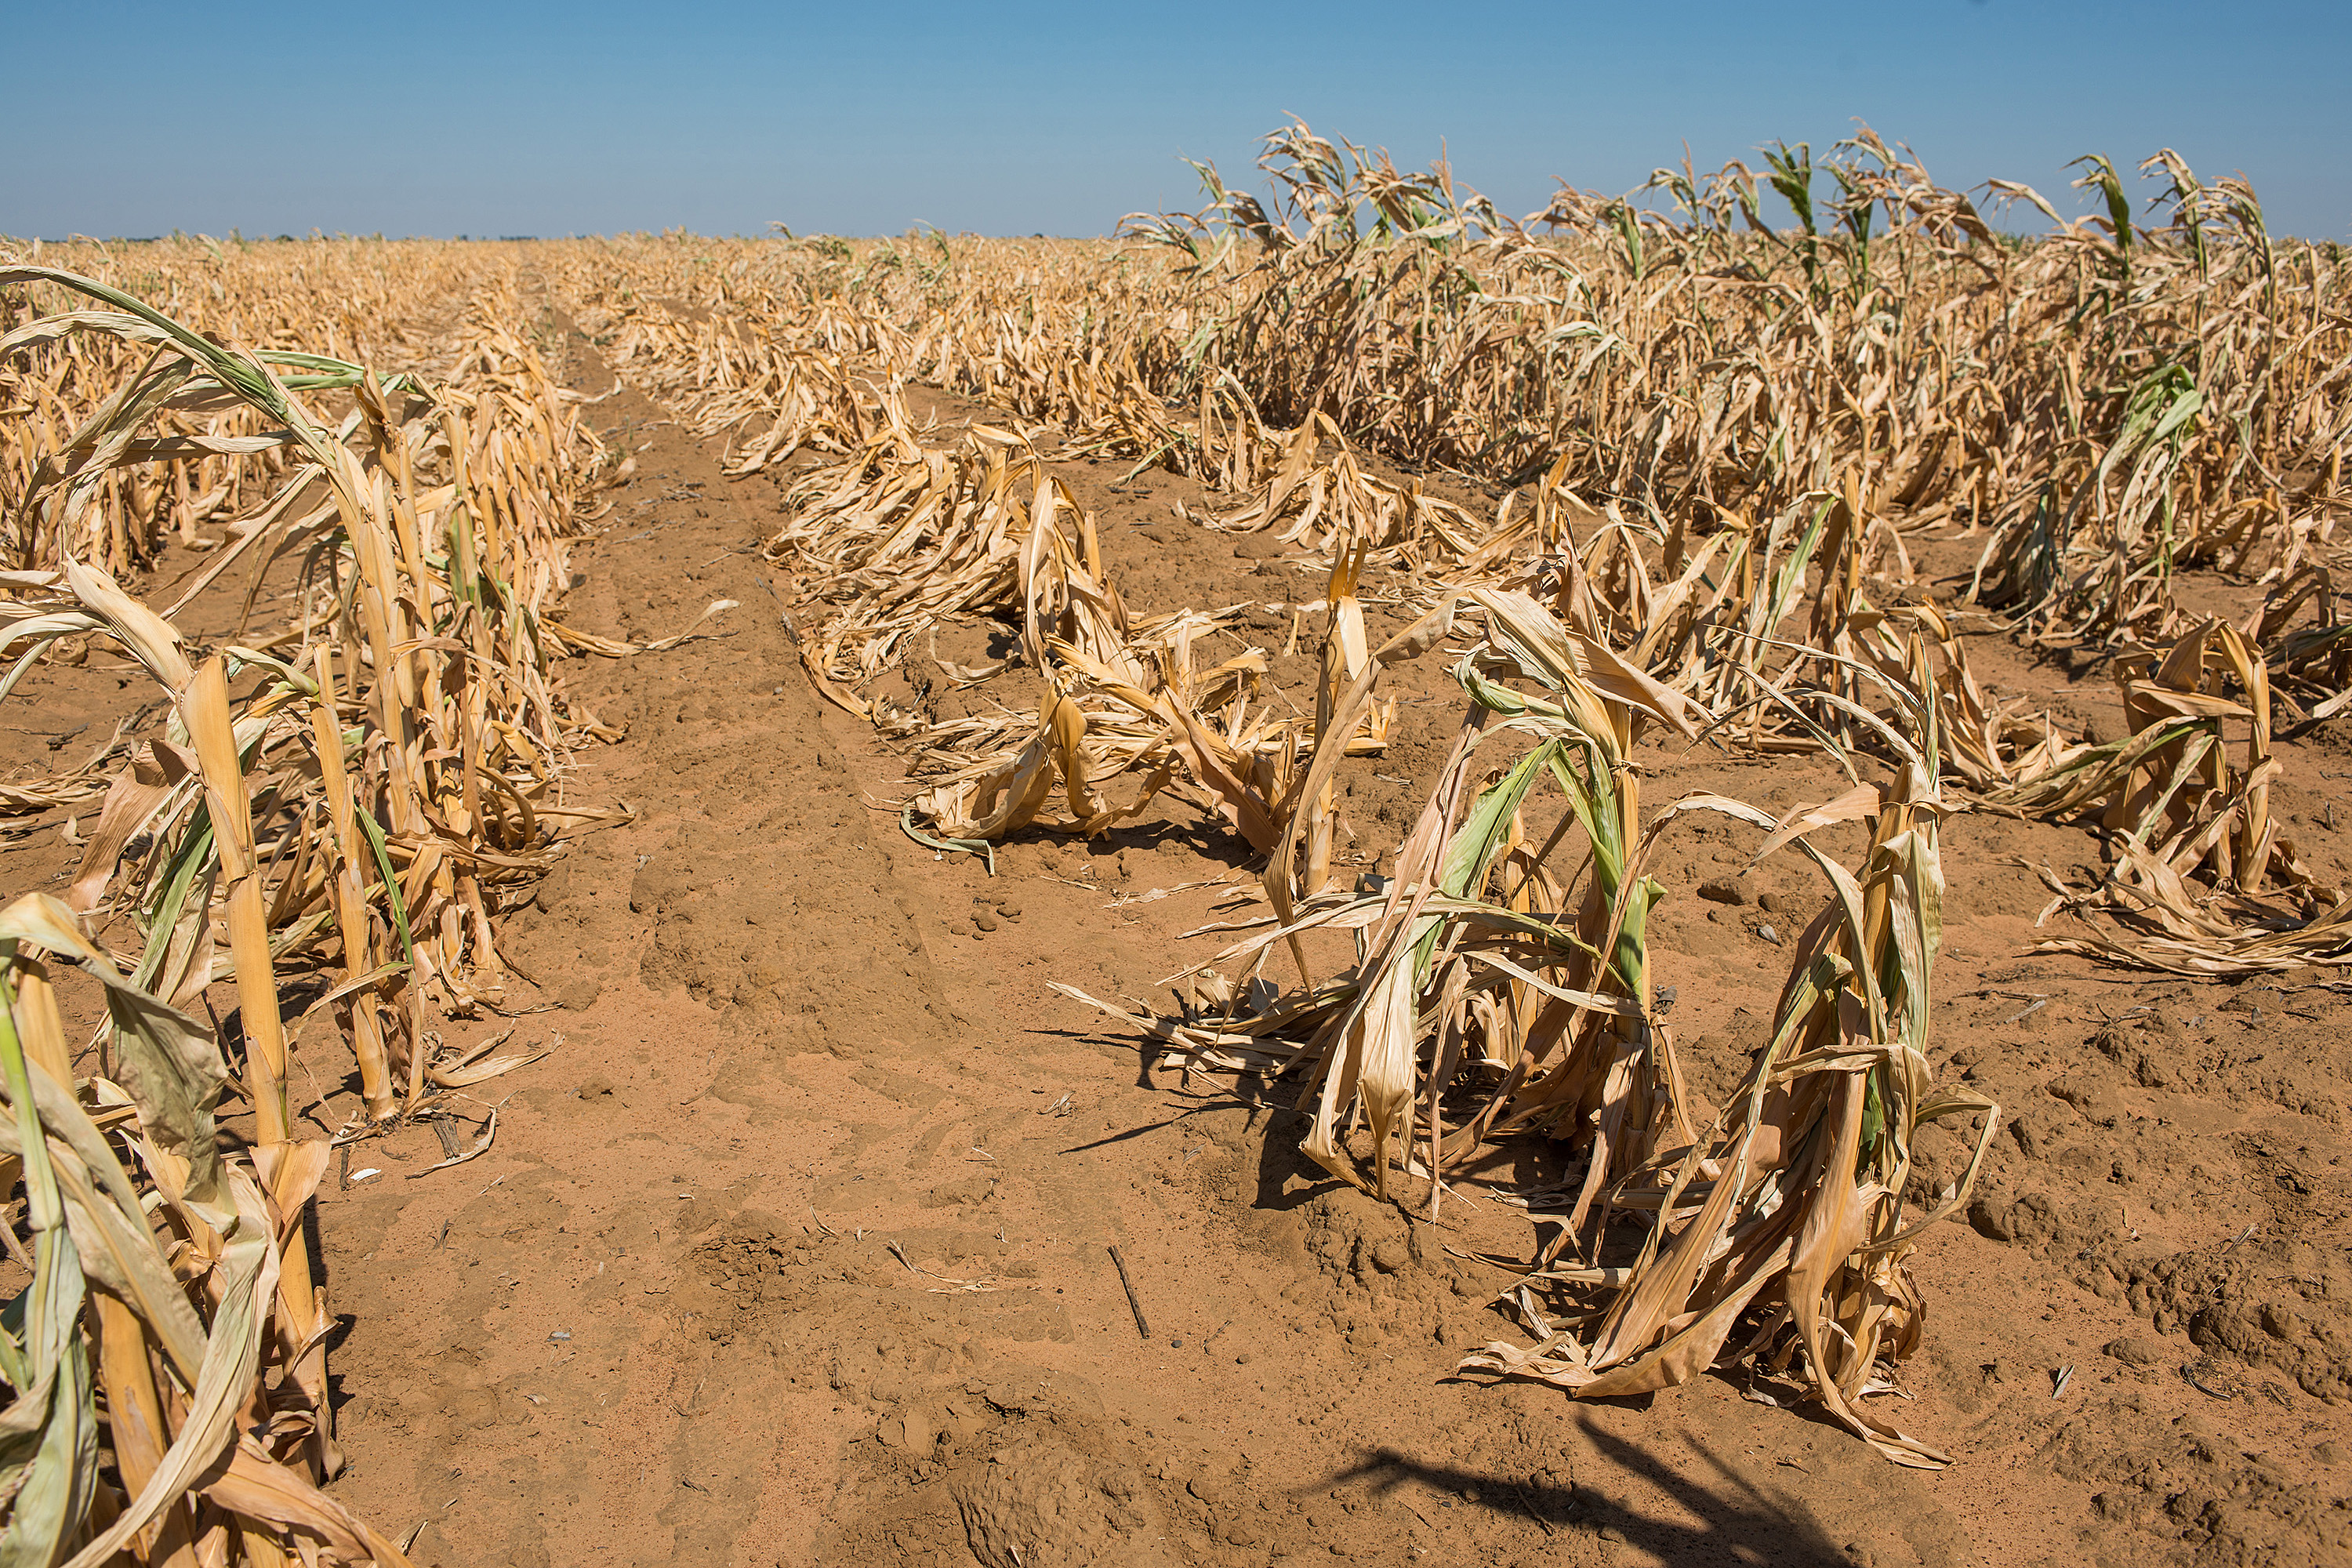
<point>1730,1518</point>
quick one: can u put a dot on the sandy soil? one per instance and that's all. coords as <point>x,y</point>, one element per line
<point>795,1249</point>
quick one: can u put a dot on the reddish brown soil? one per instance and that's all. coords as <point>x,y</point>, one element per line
<point>794,1248</point>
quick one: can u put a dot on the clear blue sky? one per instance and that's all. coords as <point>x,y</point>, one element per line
<point>856,117</point>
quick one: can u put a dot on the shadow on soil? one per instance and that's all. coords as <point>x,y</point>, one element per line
<point>1736,1522</point>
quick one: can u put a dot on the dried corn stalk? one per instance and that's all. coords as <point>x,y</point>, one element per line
<point>1475,1011</point>
<point>359,804</point>
<point>440,538</point>
<point>900,538</point>
<point>2100,415</point>
<point>1328,505</point>
<point>1782,1225</point>
<point>168,1284</point>
<point>2203,880</point>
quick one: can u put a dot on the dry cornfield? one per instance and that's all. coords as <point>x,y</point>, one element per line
<point>1625,469</point>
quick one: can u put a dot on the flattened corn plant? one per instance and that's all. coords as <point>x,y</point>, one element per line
<point>2203,880</point>
<point>1124,697</point>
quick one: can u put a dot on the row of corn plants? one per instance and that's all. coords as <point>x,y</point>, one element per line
<point>347,795</point>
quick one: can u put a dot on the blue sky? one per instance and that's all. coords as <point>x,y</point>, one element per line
<point>864,117</point>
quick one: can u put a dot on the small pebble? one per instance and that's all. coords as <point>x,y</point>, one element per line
<point>1175,1344</point>
<point>985,922</point>
<point>1769,934</point>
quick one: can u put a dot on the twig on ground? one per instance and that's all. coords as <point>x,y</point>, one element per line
<point>1133,1305</point>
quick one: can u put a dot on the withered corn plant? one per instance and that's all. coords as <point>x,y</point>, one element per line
<point>407,721</point>
<point>1495,996</point>
<point>1126,697</point>
<point>2100,407</point>
<point>351,795</point>
<point>170,1318</point>
<point>2202,880</point>
<point>170,1315</point>
<point>1777,1235</point>
<point>1716,447</point>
